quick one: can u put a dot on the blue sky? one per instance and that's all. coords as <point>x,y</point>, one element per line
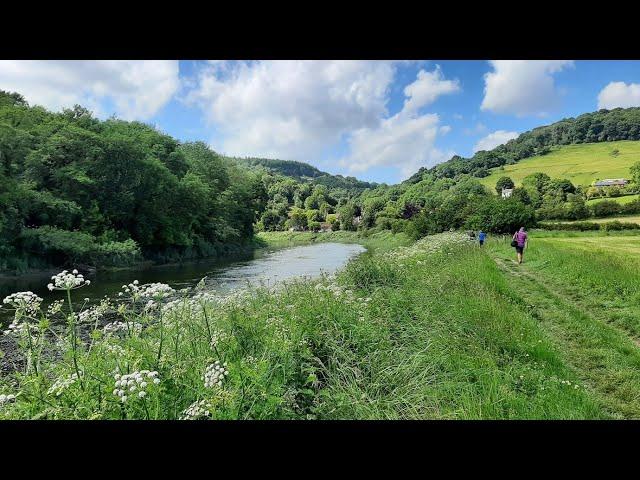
<point>376,120</point>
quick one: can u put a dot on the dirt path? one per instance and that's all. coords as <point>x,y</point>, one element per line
<point>604,357</point>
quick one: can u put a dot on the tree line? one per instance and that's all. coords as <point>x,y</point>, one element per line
<point>77,189</point>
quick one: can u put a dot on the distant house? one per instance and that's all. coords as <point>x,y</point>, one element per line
<point>610,182</point>
<point>506,192</point>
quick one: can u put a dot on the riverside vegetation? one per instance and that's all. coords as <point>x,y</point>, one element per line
<point>425,325</point>
<point>439,328</point>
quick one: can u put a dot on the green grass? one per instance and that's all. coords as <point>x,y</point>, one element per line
<point>582,164</point>
<point>584,292</point>
<point>621,200</point>
<point>619,218</point>
<point>433,330</point>
<point>381,241</point>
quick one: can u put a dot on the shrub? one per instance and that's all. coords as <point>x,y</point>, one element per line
<point>606,208</point>
<point>617,225</point>
<point>577,226</point>
<point>631,207</point>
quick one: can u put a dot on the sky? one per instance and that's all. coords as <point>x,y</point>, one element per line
<point>376,120</point>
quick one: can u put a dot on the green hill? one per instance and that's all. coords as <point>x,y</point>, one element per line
<point>303,172</point>
<point>582,163</point>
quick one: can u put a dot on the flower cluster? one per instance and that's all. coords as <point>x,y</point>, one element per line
<point>55,307</point>
<point>136,383</point>
<point>115,327</point>
<point>19,327</point>
<point>6,398</point>
<point>67,281</point>
<point>156,291</point>
<point>94,313</point>
<point>24,301</point>
<point>61,384</point>
<point>197,410</point>
<point>429,245</point>
<point>214,374</point>
<point>217,336</point>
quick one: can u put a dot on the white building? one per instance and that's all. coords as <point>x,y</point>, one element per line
<point>506,192</point>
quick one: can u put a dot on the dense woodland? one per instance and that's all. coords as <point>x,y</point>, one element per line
<point>74,189</point>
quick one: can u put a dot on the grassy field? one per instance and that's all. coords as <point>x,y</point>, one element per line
<point>582,164</point>
<point>621,200</point>
<point>584,291</point>
<point>621,218</point>
<point>437,329</point>
<point>380,241</point>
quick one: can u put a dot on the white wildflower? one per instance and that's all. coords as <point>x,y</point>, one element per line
<point>68,281</point>
<point>197,410</point>
<point>214,374</point>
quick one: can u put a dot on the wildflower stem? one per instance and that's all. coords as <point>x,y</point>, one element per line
<point>72,324</point>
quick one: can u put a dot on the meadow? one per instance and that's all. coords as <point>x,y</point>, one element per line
<point>621,200</point>
<point>619,218</point>
<point>581,163</point>
<point>440,329</point>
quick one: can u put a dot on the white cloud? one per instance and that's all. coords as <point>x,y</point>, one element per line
<point>302,109</point>
<point>404,141</point>
<point>290,109</point>
<point>619,94</point>
<point>427,88</point>
<point>132,89</point>
<point>494,139</point>
<point>522,87</point>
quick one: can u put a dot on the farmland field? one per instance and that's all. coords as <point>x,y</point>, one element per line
<point>620,218</point>
<point>582,164</point>
<point>621,200</point>
<point>585,293</point>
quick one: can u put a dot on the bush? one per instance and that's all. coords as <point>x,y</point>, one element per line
<point>606,208</point>
<point>61,247</point>
<point>576,226</point>
<point>617,225</point>
<point>631,207</point>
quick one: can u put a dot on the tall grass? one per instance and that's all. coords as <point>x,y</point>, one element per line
<point>425,331</point>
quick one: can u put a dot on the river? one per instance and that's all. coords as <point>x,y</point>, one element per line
<point>264,267</point>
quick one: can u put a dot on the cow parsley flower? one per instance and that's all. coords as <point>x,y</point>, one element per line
<point>27,302</point>
<point>136,384</point>
<point>115,327</point>
<point>68,281</point>
<point>6,398</point>
<point>61,384</point>
<point>214,374</point>
<point>197,410</point>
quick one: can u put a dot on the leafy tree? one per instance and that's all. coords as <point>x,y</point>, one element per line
<point>504,182</point>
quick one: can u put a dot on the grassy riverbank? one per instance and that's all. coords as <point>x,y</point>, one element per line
<point>380,241</point>
<point>438,329</point>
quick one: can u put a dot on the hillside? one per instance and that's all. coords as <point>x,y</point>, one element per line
<point>582,164</point>
<point>603,126</point>
<point>303,172</point>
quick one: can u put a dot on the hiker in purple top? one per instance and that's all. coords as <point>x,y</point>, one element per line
<point>520,237</point>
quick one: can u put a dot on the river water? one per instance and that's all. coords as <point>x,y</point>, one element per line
<point>264,267</point>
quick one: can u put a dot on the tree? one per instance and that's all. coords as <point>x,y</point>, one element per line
<point>502,216</point>
<point>635,173</point>
<point>504,182</point>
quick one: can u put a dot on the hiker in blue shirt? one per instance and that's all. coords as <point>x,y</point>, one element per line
<point>481,237</point>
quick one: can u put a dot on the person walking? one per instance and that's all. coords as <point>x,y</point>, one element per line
<point>481,237</point>
<point>520,242</point>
